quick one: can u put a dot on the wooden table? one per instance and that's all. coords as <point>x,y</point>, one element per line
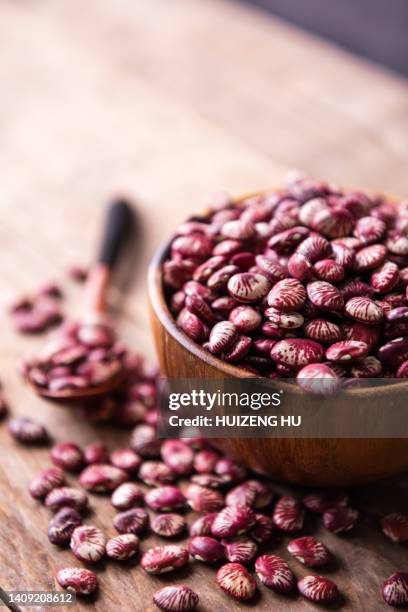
<point>168,102</point>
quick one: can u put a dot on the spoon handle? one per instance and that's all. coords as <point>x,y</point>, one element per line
<point>118,226</point>
<point>119,221</point>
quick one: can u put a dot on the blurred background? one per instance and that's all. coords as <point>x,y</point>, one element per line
<point>171,101</point>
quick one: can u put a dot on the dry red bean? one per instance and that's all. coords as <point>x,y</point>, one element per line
<point>314,248</point>
<point>369,334</point>
<point>385,278</point>
<point>126,459</point>
<point>177,456</point>
<point>288,295</point>
<point>127,495</point>
<point>176,598</point>
<point>339,520</point>
<point>325,500</point>
<point>344,256</point>
<point>300,268</point>
<point>347,351</point>
<point>231,470</point>
<point>236,581</point>
<point>196,246</point>
<point>227,248</point>
<point>247,287</point>
<point>198,306</point>
<point>322,330</point>
<point>68,456</point>
<point>395,589</point>
<point>275,573</point>
<point>122,547</point>
<point>62,526</point>
<point>201,499</point>
<point>285,242</point>
<point>219,280</point>
<point>245,318</point>
<point>394,353</point>
<point>68,382</point>
<point>96,453</point>
<point>202,525</point>
<point>309,551</point>
<point>395,526</point>
<point>289,320</point>
<point>165,498</point>
<point>369,229</point>
<point>356,288</point>
<point>297,352</point>
<point>163,559</point>
<point>238,230</point>
<point>252,493</point>
<point>333,223</point>
<point>144,441</point>
<point>329,270</point>
<point>364,310</point>
<point>325,296</point>
<point>102,478</point>
<point>273,271</point>
<point>263,346</point>
<point>168,525</point>
<point>398,315</point>
<point>367,367</point>
<point>78,579</point>
<point>240,549</point>
<point>233,521</point>
<point>263,529</point>
<point>206,269</point>
<point>310,209</point>
<point>45,481</point>
<point>134,521</point>
<point>206,549</point>
<point>397,242</point>
<point>66,496</point>
<point>131,413</point>
<point>205,461</point>
<point>222,336</point>
<point>224,304</point>
<point>318,589</point>
<point>156,473</point>
<point>402,371</point>
<point>272,331</point>
<point>318,379</point>
<point>192,325</point>
<point>88,543</point>
<point>177,302</point>
<point>288,515</point>
<point>370,257</point>
<point>27,431</point>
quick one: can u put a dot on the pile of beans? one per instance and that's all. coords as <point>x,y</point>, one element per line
<point>238,518</point>
<point>38,312</point>
<point>77,356</point>
<point>310,281</point>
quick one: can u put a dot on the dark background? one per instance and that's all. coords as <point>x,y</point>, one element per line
<point>375,29</point>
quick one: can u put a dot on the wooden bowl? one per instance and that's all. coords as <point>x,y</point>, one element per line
<point>306,461</point>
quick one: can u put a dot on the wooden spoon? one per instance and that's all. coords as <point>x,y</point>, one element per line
<point>94,321</point>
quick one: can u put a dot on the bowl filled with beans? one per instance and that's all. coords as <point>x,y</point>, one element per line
<point>298,284</point>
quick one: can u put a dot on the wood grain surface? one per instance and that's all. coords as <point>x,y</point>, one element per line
<point>166,102</point>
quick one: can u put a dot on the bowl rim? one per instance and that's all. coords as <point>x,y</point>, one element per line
<point>159,304</point>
